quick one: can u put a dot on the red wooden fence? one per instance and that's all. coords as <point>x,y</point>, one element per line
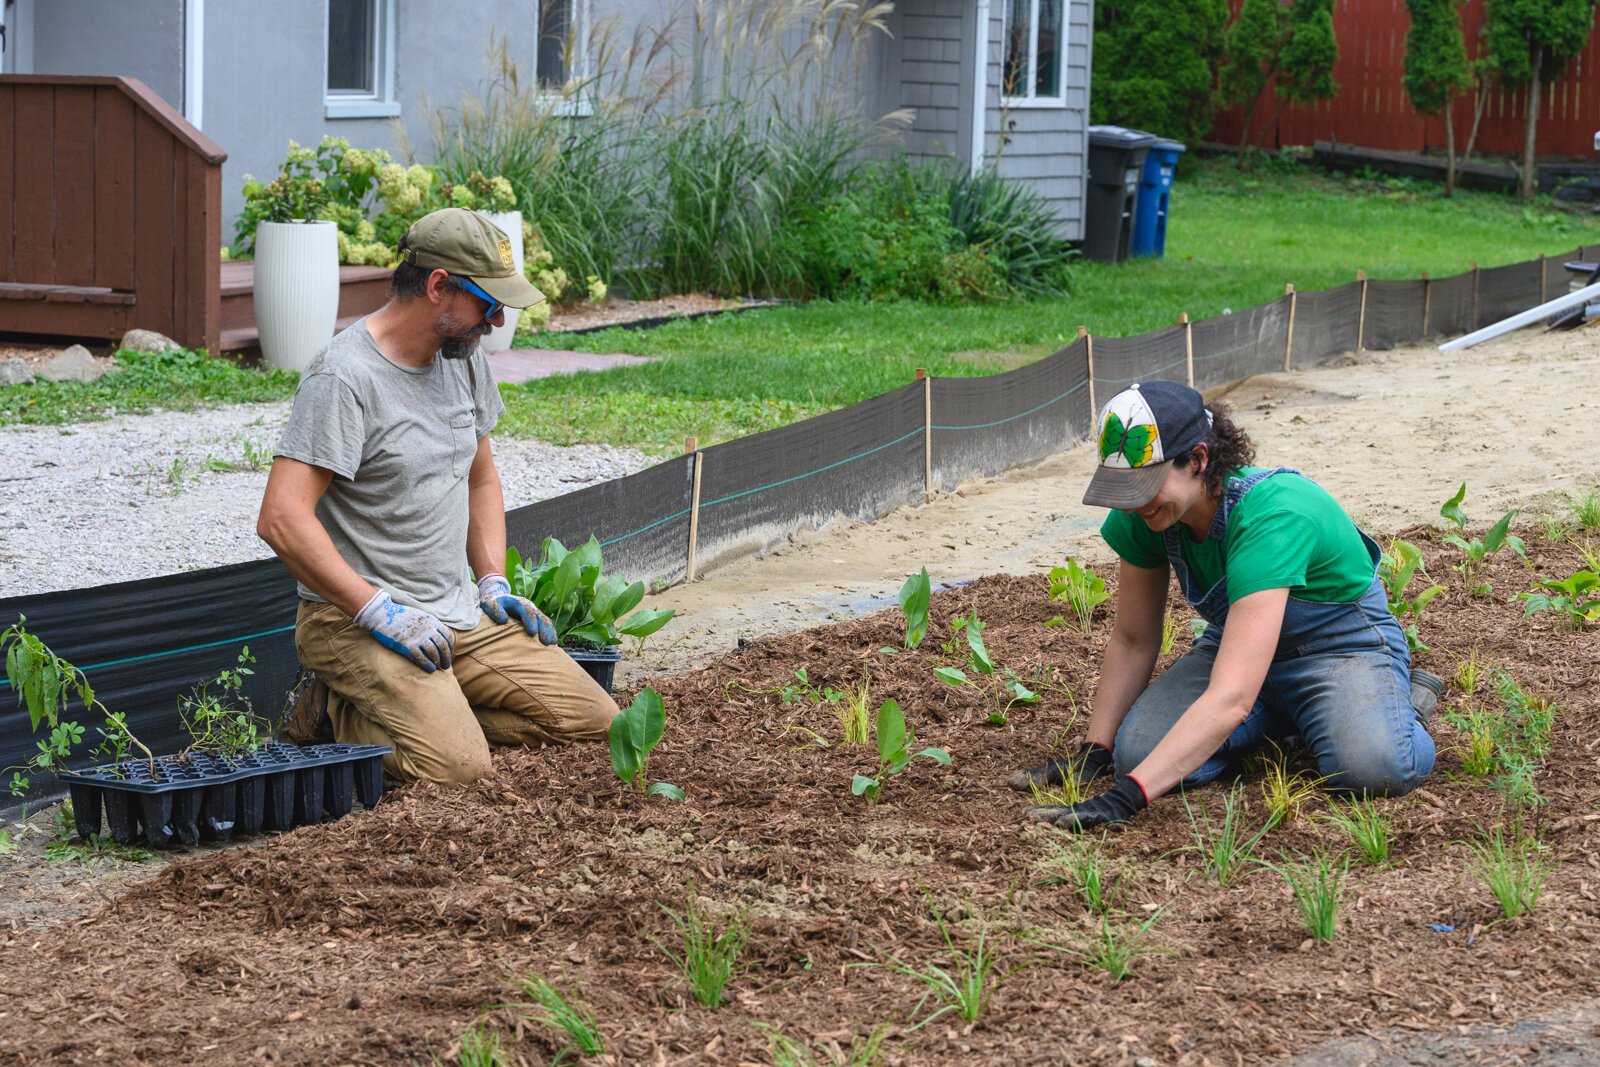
<point>110,212</point>
<point>1373,111</point>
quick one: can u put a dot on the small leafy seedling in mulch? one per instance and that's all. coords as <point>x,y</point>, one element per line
<point>1285,791</point>
<point>1000,686</point>
<point>1511,866</point>
<point>915,596</point>
<point>1115,944</point>
<point>565,1013</point>
<point>786,1051</point>
<point>1399,565</point>
<point>967,980</point>
<point>634,734</point>
<point>67,847</point>
<point>1317,882</point>
<point>1474,551</point>
<point>1081,589</point>
<point>709,956</point>
<point>1575,599</point>
<point>1081,865</point>
<point>894,740</point>
<point>1225,851</point>
<point>1369,827</point>
<point>1506,745</point>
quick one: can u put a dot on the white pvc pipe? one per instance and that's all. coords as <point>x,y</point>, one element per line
<point>980,87</point>
<point>1525,318</point>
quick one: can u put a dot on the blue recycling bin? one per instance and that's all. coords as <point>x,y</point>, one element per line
<point>1155,191</point>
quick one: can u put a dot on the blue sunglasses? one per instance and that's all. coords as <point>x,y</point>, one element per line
<point>476,290</point>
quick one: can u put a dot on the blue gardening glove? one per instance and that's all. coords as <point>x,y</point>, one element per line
<point>501,605</point>
<point>413,633</point>
<point>1120,803</point>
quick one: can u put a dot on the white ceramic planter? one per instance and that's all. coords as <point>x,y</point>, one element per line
<point>296,290</point>
<point>510,223</point>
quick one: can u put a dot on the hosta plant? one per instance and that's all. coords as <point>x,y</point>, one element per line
<point>894,740</point>
<point>1000,685</point>
<point>1402,562</point>
<point>634,734</point>
<point>587,608</point>
<point>914,597</point>
<point>1081,589</point>
<point>1474,551</point>
<point>1574,599</point>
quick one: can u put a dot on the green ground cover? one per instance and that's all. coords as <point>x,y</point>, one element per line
<point>1234,240</point>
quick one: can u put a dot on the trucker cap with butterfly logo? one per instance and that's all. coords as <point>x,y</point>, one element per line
<point>1142,429</point>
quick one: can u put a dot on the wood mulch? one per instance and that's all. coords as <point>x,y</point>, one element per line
<point>379,938</point>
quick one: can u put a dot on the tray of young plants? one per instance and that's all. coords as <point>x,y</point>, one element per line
<point>591,611</point>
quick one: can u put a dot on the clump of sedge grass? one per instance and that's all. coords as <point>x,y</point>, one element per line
<point>1285,793</point>
<point>1469,671</point>
<point>855,714</point>
<point>1589,553</point>
<point>1318,884</point>
<point>1367,826</point>
<point>787,1051</point>
<point>547,1006</point>
<point>1081,865</point>
<point>1169,633</point>
<point>1477,749</point>
<point>1511,867</point>
<point>965,984</point>
<point>1226,851</point>
<point>710,951</point>
<point>1115,944</point>
<point>1586,510</point>
<point>480,1045</point>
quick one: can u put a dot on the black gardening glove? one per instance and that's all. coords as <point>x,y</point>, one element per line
<point>1090,761</point>
<point>1118,804</point>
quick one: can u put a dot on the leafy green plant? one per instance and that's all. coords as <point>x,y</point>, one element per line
<point>965,984</point>
<point>1400,563</point>
<point>894,740</point>
<point>218,717</point>
<point>1575,599</point>
<point>1318,883</point>
<point>1507,744</point>
<point>709,956</point>
<point>1080,863</point>
<point>1115,945</point>
<point>634,734</point>
<point>1286,793</point>
<point>566,1013</point>
<point>1511,867</point>
<point>587,609</point>
<point>1225,851</point>
<point>1079,587</point>
<point>65,845</point>
<point>789,1051</point>
<point>1474,551</point>
<point>1366,825</point>
<point>915,595</point>
<point>1000,686</point>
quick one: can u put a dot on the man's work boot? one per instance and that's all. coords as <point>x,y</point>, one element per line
<point>307,721</point>
<point>1426,689</point>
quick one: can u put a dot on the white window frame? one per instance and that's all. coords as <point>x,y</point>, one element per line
<point>582,104</point>
<point>1030,101</point>
<point>382,103</point>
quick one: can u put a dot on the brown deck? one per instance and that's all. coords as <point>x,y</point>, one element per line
<point>362,290</point>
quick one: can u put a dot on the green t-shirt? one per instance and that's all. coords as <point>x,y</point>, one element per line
<point>1286,532</point>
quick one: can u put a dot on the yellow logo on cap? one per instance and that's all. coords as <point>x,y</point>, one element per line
<point>505,253</point>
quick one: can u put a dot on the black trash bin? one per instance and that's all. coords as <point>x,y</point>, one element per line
<point>1116,160</point>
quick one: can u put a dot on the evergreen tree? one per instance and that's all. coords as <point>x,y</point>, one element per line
<point>1305,65</point>
<point>1530,42</point>
<point>1253,42</point>
<point>1437,69</point>
<point>1155,64</point>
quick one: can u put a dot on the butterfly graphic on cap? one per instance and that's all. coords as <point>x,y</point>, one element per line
<point>1136,443</point>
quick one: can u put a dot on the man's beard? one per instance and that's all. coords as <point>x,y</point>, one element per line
<point>456,343</point>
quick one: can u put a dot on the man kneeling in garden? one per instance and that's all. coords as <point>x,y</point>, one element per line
<point>384,492</point>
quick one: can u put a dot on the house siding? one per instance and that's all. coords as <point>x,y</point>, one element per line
<point>97,37</point>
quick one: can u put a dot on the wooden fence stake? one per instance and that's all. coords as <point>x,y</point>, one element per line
<point>1088,343</point>
<point>691,446</point>
<point>1427,302</point>
<point>1288,344</point>
<point>927,433</point>
<point>1188,344</point>
<point>1361,317</point>
<point>1542,296</point>
<point>1474,319</point>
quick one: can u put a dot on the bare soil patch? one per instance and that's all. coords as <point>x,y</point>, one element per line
<point>378,938</point>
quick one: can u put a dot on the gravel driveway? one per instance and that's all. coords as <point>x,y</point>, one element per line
<point>140,496</point>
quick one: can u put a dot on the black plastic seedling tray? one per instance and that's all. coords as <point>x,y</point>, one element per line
<point>204,797</point>
<point>601,663</point>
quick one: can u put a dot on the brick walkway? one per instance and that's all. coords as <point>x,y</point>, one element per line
<point>522,364</point>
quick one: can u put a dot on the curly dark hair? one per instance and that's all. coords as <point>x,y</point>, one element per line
<point>1228,447</point>
<point>409,282</point>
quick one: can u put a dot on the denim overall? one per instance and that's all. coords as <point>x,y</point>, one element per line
<point>1340,680</point>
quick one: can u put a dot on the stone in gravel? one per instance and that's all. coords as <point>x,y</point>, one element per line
<point>14,371</point>
<point>76,363</point>
<point>146,341</point>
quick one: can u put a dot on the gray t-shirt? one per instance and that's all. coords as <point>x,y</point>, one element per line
<point>399,441</point>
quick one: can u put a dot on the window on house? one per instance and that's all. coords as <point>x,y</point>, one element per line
<point>360,59</point>
<point>557,44</point>
<point>1035,51</point>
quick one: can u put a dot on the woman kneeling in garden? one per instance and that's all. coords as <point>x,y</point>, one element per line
<point>1299,640</point>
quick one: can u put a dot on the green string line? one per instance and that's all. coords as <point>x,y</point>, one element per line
<point>1019,415</point>
<point>190,648</point>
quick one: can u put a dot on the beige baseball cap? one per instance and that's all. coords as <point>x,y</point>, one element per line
<point>464,242</point>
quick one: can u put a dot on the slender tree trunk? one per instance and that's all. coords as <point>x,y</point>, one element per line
<point>1529,169</point>
<point>1449,148</point>
<point>1478,106</point>
<point>1244,127</point>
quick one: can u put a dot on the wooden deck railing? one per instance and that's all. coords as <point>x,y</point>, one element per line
<point>110,212</point>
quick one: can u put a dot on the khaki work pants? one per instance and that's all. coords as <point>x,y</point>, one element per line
<point>503,688</point>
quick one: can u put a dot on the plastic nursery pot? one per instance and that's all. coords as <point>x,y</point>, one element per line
<point>600,663</point>
<point>184,799</point>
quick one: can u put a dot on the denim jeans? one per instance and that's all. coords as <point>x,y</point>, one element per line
<point>1340,680</point>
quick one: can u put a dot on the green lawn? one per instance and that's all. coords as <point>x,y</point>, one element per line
<point>1234,239</point>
